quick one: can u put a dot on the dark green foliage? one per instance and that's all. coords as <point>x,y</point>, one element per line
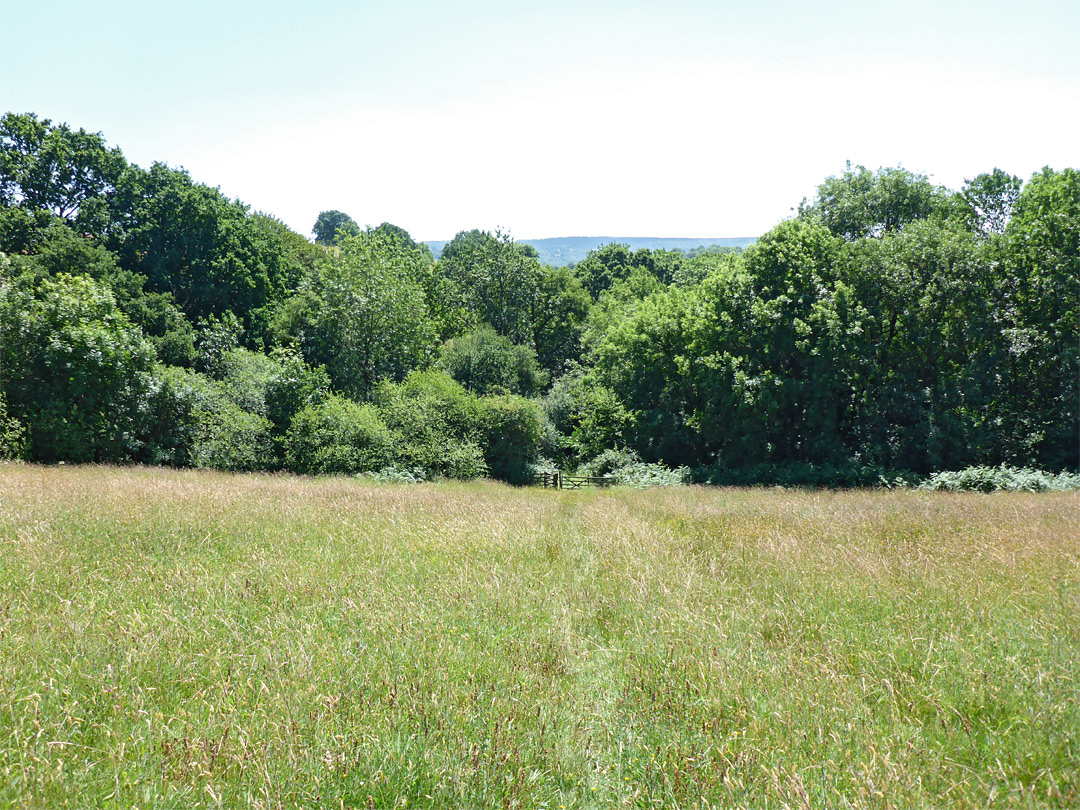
<point>891,326</point>
<point>338,436</point>
<point>189,240</point>
<point>13,439</point>
<point>488,363</point>
<point>558,316</point>
<point>74,370</point>
<point>46,167</point>
<point>512,431</point>
<point>332,226</point>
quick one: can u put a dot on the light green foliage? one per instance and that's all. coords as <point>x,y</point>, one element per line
<point>1002,479</point>
<point>494,279</point>
<point>986,203</point>
<point>338,436</point>
<point>226,437</point>
<point>485,362</point>
<point>862,203</point>
<point>178,638</point>
<point>628,470</point>
<point>55,248</point>
<point>74,370</point>
<point>436,425</point>
<point>361,313</point>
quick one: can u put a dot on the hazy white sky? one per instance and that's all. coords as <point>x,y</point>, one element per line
<point>689,119</point>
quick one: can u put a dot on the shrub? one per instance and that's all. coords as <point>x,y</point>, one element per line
<point>75,371</point>
<point>189,419</point>
<point>488,363</point>
<point>226,437</point>
<point>13,439</point>
<point>337,436</point>
<point>627,468</point>
<point>435,425</point>
<point>513,434</point>
<point>395,475</point>
<point>1001,479</point>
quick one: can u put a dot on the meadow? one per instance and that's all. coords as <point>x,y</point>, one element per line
<point>181,639</point>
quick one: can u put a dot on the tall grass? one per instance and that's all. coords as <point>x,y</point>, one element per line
<point>183,639</point>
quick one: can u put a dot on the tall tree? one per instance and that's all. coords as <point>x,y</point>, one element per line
<point>863,203</point>
<point>53,168</point>
<point>494,279</point>
<point>332,226</point>
<point>361,313</point>
<point>190,240</point>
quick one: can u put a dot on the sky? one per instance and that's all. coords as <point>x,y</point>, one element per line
<point>584,118</point>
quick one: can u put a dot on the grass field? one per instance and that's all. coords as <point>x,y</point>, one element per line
<point>184,639</point>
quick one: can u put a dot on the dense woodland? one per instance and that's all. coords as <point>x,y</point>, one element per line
<point>892,326</point>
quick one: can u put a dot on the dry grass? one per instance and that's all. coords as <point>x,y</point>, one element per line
<point>183,639</point>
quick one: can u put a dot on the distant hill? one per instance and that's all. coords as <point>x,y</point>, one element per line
<point>563,250</point>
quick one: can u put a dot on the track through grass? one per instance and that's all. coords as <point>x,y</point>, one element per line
<point>184,639</point>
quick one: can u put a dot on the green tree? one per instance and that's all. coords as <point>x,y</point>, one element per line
<point>485,362</point>
<point>494,279</point>
<point>560,309</point>
<point>361,313</point>
<point>1040,320</point>
<point>862,203</point>
<point>53,168</point>
<point>332,226</point>
<point>187,239</point>
<point>73,368</point>
<point>987,202</point>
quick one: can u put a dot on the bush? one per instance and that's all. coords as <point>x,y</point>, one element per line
<point>488,363</point>
<point>226,437</point>
<point>513,434</point>
<point>627,468</point>
<point>435,425</point>
<point>395,475</point>
<point>75,371</point>
<point>13,439</point>
<point>337,436</point>
<point>190,420</point>
<point>1001,479</point>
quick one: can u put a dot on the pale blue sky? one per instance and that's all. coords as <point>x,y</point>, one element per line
<point>688,119</point>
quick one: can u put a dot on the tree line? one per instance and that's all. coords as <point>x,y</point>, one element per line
<point>891,326</point>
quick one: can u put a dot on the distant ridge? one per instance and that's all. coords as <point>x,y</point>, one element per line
<point>563,250</point>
